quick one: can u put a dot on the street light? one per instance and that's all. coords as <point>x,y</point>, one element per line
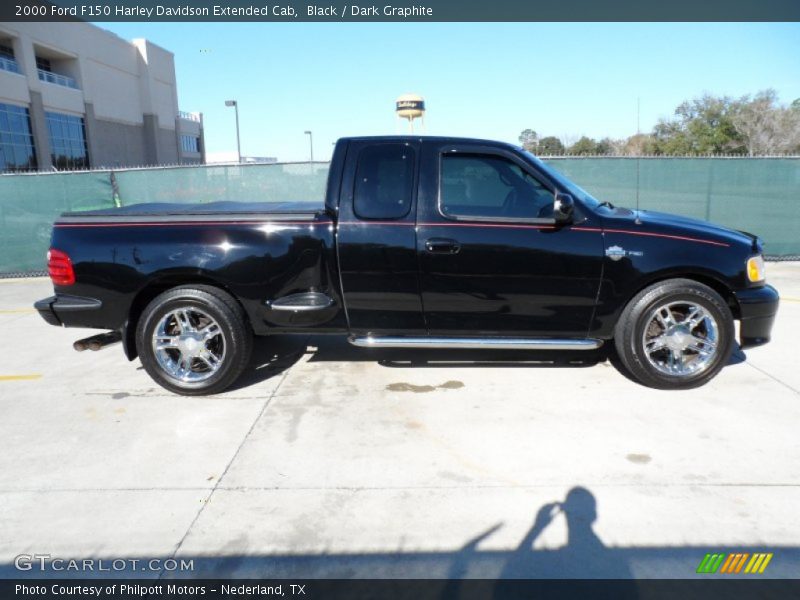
<point>310,144</point>
<point>235,105</point>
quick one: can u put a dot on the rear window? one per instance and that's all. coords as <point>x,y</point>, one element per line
<point>384,181</point>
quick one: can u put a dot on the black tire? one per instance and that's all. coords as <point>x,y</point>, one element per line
<point>233,342</point>
<point>639,319</point>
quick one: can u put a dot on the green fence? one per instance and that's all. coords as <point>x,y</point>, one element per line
<point>761,195</point>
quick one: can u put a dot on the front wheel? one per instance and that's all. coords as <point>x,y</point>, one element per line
<point>675,334</point>
<point>194,340</point>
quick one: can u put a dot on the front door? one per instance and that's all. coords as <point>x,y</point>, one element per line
<point>492,259</point>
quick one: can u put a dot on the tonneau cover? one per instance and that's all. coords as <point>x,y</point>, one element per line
<point>163,209</point>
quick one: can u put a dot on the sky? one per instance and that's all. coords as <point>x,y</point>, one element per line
<point>487,80</point>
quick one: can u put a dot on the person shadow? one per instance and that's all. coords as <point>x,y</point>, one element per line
<point>584,556</point>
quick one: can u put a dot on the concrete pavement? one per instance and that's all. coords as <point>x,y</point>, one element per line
<point>333,461</point>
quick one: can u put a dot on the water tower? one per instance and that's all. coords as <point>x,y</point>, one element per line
<point>410,107</point>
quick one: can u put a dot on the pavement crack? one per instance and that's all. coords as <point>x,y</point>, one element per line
<point>783,383</point>
<point>228,466</point>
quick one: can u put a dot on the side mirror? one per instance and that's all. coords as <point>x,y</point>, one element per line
<point>563,207</point>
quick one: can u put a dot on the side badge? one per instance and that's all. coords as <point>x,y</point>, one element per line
<point>616,253</point>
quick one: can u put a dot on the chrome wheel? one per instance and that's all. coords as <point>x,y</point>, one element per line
<point>188,345</point>
<point>680,338</point>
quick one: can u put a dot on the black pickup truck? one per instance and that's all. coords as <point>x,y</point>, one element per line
<point>420,243</point>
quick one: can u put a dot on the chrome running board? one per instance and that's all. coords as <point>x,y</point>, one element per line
<point>505,343</point>
<point>302,302</point>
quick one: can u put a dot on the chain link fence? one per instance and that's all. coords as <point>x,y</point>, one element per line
<point>760,195</point>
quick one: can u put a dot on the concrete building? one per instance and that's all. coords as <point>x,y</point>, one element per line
<point>74,96</point>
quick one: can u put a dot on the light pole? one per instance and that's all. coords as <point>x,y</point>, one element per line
<point>235,106</point>
<point>310,144</point>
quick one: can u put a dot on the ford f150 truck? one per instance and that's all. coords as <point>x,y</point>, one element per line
<point>420,243</point>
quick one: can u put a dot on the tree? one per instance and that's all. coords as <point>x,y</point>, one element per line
<point>702,126</point>
<point>529,139</point>
<point>550,146</point>
<point>583,146</point>
<point>608,146</point>
<point>640,144</point>
<point>766,126</point>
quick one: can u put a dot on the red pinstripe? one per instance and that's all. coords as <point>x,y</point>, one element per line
<point>191,223</point>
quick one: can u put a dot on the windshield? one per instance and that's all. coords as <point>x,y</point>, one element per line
<point>575,190</point>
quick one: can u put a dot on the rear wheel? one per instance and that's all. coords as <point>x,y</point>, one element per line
<point>676,334</point>
<point>194,340</point>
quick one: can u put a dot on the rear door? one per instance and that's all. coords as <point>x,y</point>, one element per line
<point>492,260</point>
<point>376,238</point>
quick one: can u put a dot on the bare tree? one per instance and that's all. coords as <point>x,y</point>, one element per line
<point>766,126</point>
<point>529,139</point>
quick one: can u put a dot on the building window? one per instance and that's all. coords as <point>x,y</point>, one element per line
<point>7,60</point>
<point>67,141</point>
<point>16,141</point>
<point>43,64</point>
<point>190,143</point>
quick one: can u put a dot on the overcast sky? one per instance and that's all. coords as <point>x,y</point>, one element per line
<point>486,80</point>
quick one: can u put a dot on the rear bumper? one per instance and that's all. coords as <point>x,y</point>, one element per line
<point>758,307</point>
<point>63,309</point>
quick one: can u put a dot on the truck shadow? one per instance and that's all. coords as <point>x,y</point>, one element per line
<point>275,354</point>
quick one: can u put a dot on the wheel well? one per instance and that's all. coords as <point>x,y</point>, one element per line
<point>715,284</point>
<point>153,289</point>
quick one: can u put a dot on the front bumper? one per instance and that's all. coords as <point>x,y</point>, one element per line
<point>758,309</point>
<point>63,309</point>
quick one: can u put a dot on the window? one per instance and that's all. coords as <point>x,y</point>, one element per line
<point>67,141</point>
<point>384,181</point>
<point>190,143</point>
<point>44,64</point>
<point>485,185</point>
<point>16,141</point>
<point>6,52</point>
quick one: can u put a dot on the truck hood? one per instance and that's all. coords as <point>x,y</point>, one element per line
<point>660,222</point>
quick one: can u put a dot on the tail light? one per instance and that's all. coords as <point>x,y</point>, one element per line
<point>60,268</point>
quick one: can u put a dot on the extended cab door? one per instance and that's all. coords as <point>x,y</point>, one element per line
<point>376,239</point>
<point>492,259</point>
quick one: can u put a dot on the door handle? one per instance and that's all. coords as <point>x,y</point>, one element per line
<point>442,246</point>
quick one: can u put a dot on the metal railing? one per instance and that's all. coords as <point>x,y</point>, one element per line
<point>189,116</point>
<point>63,80</point>
<point>9,64</point>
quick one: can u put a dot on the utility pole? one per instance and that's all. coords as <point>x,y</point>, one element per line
<point>235,105</point>
<point>310,144</point>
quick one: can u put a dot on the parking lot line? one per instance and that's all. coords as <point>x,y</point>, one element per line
<point>28,376</point>
<point>14,311</point>
<point>23,279</point>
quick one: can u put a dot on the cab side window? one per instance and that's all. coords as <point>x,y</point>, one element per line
<point>384,181</point>
<point>485,185</point>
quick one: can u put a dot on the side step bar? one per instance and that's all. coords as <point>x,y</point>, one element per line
<point>506,343</point>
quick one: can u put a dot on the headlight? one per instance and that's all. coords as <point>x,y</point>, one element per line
<point>756,272</point>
